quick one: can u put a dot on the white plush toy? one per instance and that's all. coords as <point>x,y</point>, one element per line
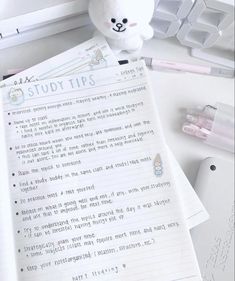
<point>124,23</point>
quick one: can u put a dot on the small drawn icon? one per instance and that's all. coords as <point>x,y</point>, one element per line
<point>158,166</point>
<point>16,96</point>
<point>97,59</point>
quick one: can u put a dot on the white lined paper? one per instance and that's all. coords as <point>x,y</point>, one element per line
<point>183,264</point>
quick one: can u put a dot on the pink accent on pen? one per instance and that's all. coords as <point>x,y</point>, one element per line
<point>181,66</point>
<point>195,131</point>
<point>200,121</point>
<point>213,125</point>
<point>157,64</point>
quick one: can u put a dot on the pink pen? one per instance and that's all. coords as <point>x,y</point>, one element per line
<point>157,64</point>
<point>195,131</point>
<point>200,121</point>
<point>209,137</point>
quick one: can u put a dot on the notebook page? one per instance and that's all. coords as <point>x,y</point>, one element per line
<point>90,55</point>
<point>94,192</point>
<point>7,249</point>
<point>193,210</point>
<point>81,58</point>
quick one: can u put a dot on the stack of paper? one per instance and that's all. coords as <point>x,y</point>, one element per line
<point>89,192</point>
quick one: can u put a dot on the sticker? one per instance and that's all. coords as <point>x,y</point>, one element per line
<point>97,59</point>
<point>16,96</point>
<point>158,166</point>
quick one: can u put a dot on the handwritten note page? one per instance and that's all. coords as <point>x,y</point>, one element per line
<point>93,195</point>
<point>7,247</point>
<point>93,54</point>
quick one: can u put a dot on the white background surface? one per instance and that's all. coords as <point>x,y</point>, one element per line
<point>173,91</point>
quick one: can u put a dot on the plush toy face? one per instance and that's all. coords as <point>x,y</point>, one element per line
<point>119,19</point>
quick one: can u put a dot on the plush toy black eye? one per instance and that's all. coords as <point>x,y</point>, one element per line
<point>113,20</point>
<point>125,20</point>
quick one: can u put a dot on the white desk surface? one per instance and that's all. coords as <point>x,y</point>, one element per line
<point>173,91</point>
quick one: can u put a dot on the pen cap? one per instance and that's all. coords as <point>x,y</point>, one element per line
<point>222,132</point>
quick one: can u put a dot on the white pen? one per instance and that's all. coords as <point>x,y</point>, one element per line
<point>157,64</point>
